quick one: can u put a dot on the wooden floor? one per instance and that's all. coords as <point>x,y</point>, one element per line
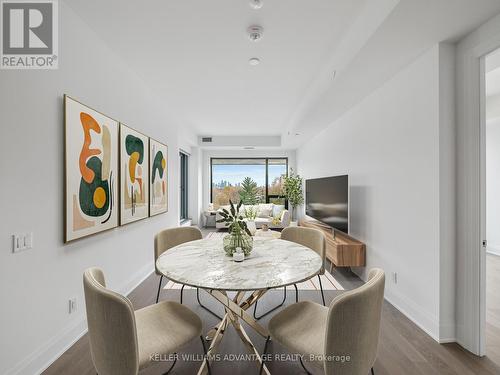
<point>493,308</point>
<point>403,348</point>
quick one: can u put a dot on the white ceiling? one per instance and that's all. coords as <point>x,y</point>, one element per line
<point>194,54</point>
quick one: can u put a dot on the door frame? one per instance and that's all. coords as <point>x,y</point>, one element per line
<point>482,251</point>
<point>471,217</point>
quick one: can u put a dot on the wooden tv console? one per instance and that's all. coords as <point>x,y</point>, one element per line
<point>342,250</point>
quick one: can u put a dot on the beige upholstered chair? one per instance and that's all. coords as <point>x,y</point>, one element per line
<point>168,238</point>
<point>122,341</point>
<point>349,327</point>
<point>308,237</point>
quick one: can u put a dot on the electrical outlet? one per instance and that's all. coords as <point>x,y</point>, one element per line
<point>395,277</point>
<point>72,305</point>
<point>22,241</point>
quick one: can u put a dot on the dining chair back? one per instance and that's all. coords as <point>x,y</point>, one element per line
<point>168,238</point>
<point>111,327</point>
<point>353,327</point>
<point>308,237</point>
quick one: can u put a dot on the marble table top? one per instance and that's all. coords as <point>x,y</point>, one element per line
<point>272,263</point>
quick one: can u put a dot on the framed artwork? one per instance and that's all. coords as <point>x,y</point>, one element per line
<point>134,175</point>
<point>158,156</point>
<point>91,170</point>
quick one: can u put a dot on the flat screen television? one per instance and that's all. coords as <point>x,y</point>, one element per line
<point>327,200</point>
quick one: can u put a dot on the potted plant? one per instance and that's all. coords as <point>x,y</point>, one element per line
<point>292,191</point>
<point>239,235</point>
<point>250,215</point>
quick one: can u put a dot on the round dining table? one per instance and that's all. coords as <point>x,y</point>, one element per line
<point>273,263</point>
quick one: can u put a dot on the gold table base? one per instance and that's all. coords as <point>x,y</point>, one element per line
<point>235,310</point>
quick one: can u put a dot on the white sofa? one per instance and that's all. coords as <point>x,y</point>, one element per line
<point>265,214</point>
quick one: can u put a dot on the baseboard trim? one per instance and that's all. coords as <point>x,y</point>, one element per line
<point>405,307</point>
<point>38,361</point>
<point>447,341</point>
<point>411,316</point>
<point>493,250</point>
<point>416,315</point>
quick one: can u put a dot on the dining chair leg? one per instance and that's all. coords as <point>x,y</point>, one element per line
<point>203,306</point>
<point>205,354</point>
<point>270,311</point>
<point>321,288</point>
<point>296,293</point>
<point>159,288</point>
<point>264,355</point>
<point>373,372</point>
<point>172,366</point>
<point>182,291</point>
<point>304,367</point>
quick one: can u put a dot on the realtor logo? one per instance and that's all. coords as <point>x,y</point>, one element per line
<point>29,34</point>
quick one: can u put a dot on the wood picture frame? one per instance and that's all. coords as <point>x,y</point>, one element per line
<point>134,175</point>
<point>90,170</point>
<point>158,184</point>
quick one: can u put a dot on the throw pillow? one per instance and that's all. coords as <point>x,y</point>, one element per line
<point>265,210</point>
<point>276,220</point>
<point>278,209</point>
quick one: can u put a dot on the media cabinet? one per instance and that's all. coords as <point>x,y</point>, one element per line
<point>341,250</point>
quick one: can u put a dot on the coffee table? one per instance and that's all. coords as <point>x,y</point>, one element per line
<point>268,234</point>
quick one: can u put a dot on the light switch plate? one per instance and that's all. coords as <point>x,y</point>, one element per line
<point>22,241</point>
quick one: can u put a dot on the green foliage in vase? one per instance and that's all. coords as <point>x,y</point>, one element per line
<point>250,213</point>
<point>292,190</point>
<point>249,193</point>
<point>233,219</point>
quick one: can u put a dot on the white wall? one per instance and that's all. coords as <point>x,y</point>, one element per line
<point>493,185</point>
<point>447,193</point>
<point>208,154</point>
<point>390,145</point>
<point>35,285</point>
<point>492,162</point>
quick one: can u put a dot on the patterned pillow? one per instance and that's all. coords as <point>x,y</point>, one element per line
<point>276,220</point>
<point>265,210</point>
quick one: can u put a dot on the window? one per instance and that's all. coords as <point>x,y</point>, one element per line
<point>183,186</point>
<point>276,169</point>
<point>253,180</point>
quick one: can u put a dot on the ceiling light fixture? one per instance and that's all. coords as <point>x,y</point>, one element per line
<point>255,33</point>
<point>256,4</point>
<point>254,61</point>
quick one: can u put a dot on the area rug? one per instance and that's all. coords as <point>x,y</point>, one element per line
<point>329,282</point>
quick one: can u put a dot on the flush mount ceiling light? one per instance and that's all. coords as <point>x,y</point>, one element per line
<point>254,61</point>
<point>256,4</point>
<point>255,33</point>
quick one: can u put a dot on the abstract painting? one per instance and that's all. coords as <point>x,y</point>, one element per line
<point>158,156</point>
<point>91,153</point>
<point>134,175</point>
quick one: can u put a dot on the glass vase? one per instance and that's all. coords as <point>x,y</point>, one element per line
<point>237,238</point>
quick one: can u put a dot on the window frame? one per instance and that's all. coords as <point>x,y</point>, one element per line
<point>183,186</point>
<point>251,158</point>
